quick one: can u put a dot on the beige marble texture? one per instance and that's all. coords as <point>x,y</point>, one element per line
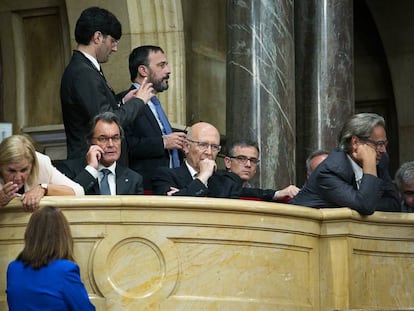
<point>167,253</point>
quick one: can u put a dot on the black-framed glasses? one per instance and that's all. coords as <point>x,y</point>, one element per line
<point>244,159</point>
<point>105,139</point>
<point>377,143</point>
<point>204,145</point>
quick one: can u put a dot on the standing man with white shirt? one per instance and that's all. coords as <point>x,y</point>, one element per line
<point>84,90</point>
<point>151,140</point>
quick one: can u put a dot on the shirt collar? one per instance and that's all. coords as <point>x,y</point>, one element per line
<point>192,171</point>
<point>92,59</point>
<point>357,170</point>
<point>111,168</point>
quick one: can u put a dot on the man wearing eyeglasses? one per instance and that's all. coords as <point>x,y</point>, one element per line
<point>151,141</point>
<point>242,159</point>
<point>100,172</point>
<point>197,175</point>
<point>355,175</point>
<point>404,178</point>
<point>84,91</point>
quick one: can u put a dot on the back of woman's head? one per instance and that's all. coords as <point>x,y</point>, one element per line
<point>17,148</point>
<point>47,238</point>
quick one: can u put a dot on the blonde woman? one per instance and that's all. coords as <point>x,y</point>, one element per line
<point>30,175</point>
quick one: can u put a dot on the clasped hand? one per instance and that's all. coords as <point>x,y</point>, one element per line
<point>30,200</point>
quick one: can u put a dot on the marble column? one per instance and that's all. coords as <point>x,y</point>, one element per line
<point>324,74</point>
<point>260,85</point>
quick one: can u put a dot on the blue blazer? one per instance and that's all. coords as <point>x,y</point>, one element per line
<point>57,286</point>
<point>332,184</point>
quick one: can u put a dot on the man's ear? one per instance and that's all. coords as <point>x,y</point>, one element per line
<point>97,35</point>
<point>354,142</point>
<point>143,71</point>
<point>227,162</point>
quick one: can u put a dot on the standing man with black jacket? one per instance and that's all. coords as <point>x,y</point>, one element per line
<point>151,141</point>
<point>84,90</point>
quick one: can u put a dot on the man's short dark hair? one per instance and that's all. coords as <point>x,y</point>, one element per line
<point>96,19</point>
<point>106,117</point>
<point>243,144</point>
<point>139,56</point>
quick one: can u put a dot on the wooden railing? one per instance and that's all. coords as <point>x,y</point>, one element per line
<point>170,253</point>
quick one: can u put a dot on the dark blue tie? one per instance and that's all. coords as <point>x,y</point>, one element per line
<point>167,128</point>
<point>104,182</point>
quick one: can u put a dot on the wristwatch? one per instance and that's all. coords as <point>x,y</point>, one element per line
<point>44,187</point>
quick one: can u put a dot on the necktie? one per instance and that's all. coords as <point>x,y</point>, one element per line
<point>106,81</point>
<point>167,128</point>
<point>104,182</point>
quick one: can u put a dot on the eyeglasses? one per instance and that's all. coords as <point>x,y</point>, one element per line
<point>204,145</point>
<point>104,139</point>
<point>244,159</point>
<point>114,42</point>
<point>377,143</point>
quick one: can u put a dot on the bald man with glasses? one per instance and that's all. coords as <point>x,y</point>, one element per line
<point>243,159</point>
<point>198,175</point>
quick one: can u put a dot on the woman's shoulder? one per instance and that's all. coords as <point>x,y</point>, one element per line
<point>63,264</point>
<point>42,157</point>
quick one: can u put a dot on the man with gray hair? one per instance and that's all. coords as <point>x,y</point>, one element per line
<point>355,175</point>
<point>314,159</point>
<point>404,178</point>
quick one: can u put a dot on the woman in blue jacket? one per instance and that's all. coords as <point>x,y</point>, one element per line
<point>44,276</point>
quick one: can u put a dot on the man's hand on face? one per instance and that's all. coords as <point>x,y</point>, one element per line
<point>207,168</point>
<point>367,156</point>
<point>94,156</point>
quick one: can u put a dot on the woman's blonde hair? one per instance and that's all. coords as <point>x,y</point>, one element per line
<point>17,148</point>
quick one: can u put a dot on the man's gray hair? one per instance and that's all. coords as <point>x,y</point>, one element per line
<point>361,125</point>
<point>405,174</point>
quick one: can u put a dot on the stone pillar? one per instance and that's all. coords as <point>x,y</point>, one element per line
<point>324,74</point>
<point>260,85</point>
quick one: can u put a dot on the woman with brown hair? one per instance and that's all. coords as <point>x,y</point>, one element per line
<point>45,276</point>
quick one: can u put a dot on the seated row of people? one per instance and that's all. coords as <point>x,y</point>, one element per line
<point>354,175</point>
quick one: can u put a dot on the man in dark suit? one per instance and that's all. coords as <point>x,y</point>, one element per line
<point>84,90</point>
<point>100,173</point>
<point>196,176</point>
<point>355,175</point>
<point>242,159</point>
<point>151,141</point>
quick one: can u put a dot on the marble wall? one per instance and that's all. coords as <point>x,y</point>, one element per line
<point>195,37</point>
